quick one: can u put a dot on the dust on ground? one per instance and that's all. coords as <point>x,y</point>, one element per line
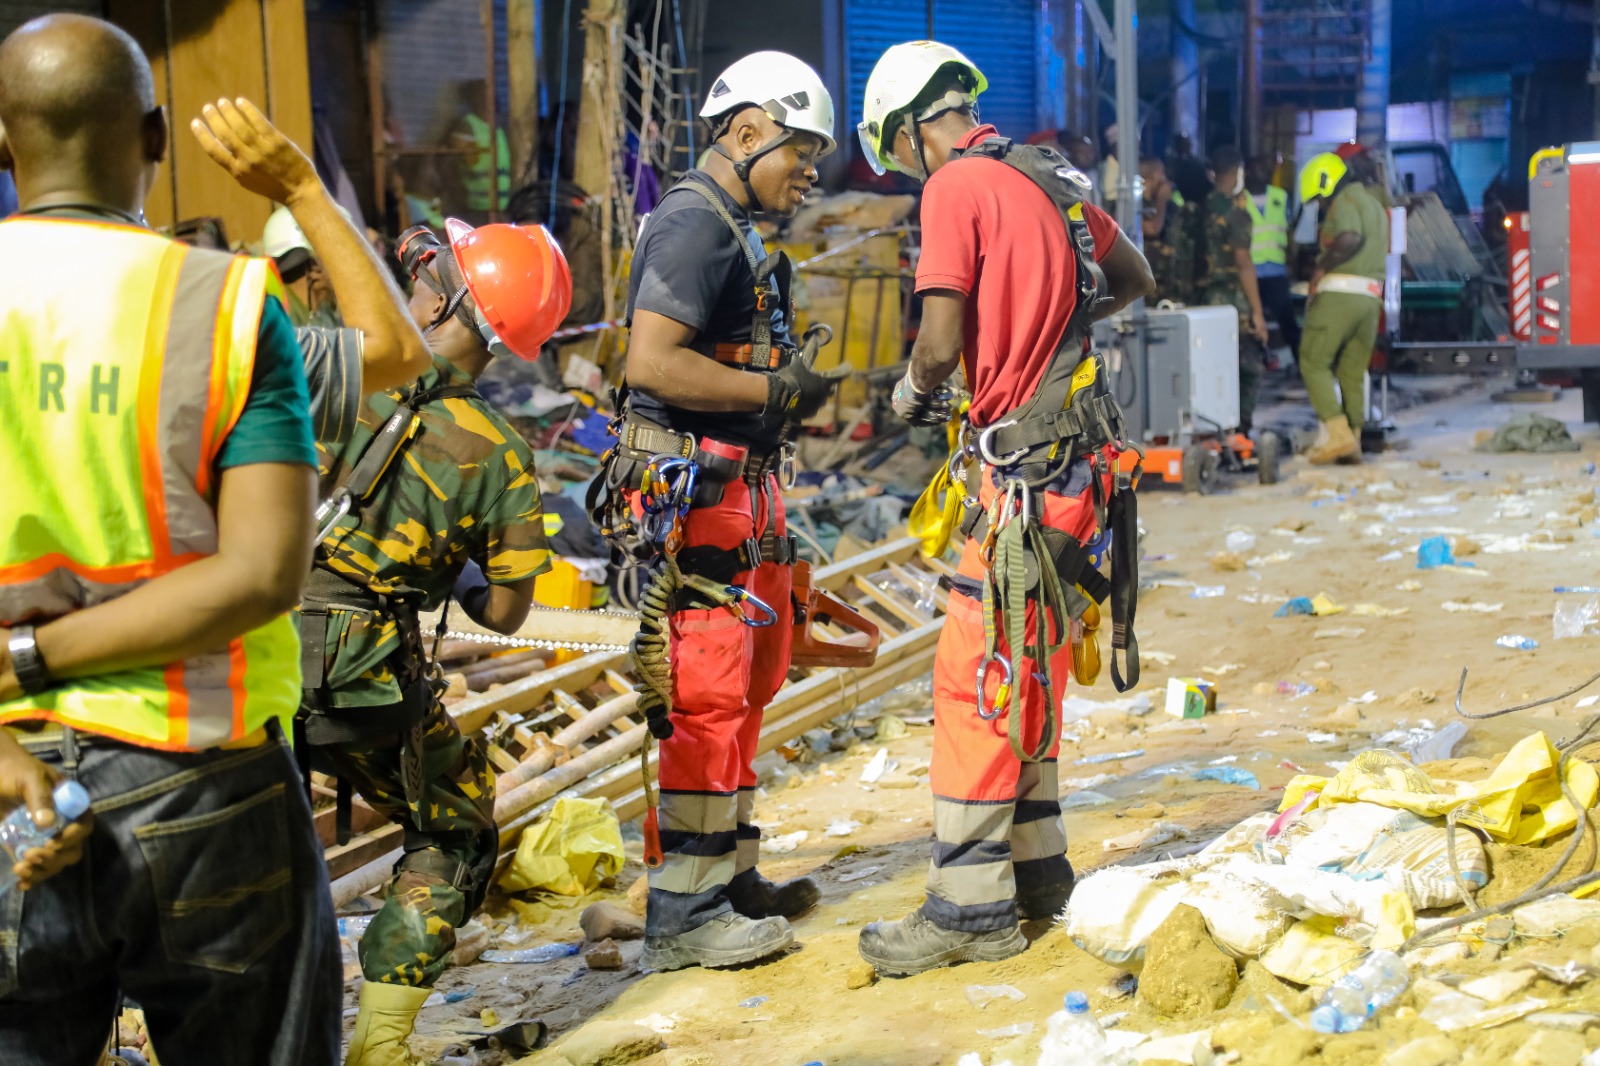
<point>1351,533</point>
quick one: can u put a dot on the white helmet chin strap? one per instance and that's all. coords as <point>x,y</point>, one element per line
<point>950,101</point>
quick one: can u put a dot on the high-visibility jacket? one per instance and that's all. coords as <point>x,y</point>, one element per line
<point>482,164</point>
<point>125,361</point>
<point>1269,233</point>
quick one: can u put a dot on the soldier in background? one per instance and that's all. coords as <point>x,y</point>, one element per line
<point>1229,277</point>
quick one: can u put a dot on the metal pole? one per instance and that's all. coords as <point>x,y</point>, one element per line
<point>930,19</point>
<point>1252,76</point>
<point>1372,99</point>
<point>1130,187</point>
<point>1594,68</point>
<point>1186,77</point>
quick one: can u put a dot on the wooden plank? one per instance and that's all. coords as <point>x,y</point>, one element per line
<point>890,602</point>
<point>519,697</point>
<point>363,849</point>
<point>522,79</point>
<point>837,576</point>
<point>362,819</point>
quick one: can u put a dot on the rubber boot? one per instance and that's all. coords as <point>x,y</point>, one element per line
<point>755,897</point>
<point>1047,907</point>
<point>915,944</point>
<point>1336,442</point>
<point>729,939</point>
<point>384,1022</point>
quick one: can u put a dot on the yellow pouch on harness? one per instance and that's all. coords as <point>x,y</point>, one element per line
<point>1086,647</point>
<point>936,514</point>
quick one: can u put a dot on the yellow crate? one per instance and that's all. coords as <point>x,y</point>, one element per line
<point>822,298</point>
<point>561,586</point>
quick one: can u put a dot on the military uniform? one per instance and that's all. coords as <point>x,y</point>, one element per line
<point>1342,317</point>
<point>462,489</point>
<point>1227,230</point>
<point>1161,251</point>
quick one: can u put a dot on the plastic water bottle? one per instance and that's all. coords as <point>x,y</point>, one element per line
<point>19,834</point>
<point>1359,994</point>
<point>1240,541</point>
<point>1072,1036</point>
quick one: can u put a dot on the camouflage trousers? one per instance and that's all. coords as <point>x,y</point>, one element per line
<point>449,823</point>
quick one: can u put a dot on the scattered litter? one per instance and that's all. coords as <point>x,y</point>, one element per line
<point>1208,592</point>
<point>1463,607</point>
<point>1159,833</point>
<point>1006,1032</point>
<point>1437,746</point>
<point>1391,557</point>
<point>1369,696</point>
<point>1573,616</point>
<point>1092,781</point>
<point>1435,552</point>
<point>1516,642</point>
<point>1330,632</point>
<point>981,996</point>
<point>1322,738</point>
<point>1228,775</point>
<point>1158,658</point>
<point>659,1023</point>
<point>1449,1011</point>
<point>1270,560</point>
<point>489,1018</point>
<point>842,827</point>
<point>544,953</point>
<point>1375,610</point>
<point>1409,586</point>
<point>1588,701</point>
<point>858,875</point>
<point>754,1001</point>
<point>783,845</point>
<point>1224,760</point>
<point>1299,605</point>
<point>1110,756</point>
<point>1223,669</point>
<point>876,767</point>
<point>1190,697</point>
<point>1296,689</point>
<point>1563,590</point>
<point>568,853</point>
<point>1240,541</point>
<point>1086,798</point>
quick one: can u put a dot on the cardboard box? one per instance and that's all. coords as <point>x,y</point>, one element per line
<point>1191,697</point>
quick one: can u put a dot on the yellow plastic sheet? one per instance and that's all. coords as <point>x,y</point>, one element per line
<point>1519,803</point>
<point>569,853</point>
<point>1321,604</point>
<point>937,512</point>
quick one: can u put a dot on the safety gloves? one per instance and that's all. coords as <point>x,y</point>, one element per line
<point>798,390</point>
<point>922,408</point>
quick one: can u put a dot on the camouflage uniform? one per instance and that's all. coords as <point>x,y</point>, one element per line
<point>1162,250</point>
<point>1227,228</point>
<point>463,488</point>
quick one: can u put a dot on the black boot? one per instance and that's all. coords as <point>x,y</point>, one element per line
<point>755,897</point>
<point>1046,906</point>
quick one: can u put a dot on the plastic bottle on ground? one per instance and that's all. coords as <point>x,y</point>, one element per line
<point>1240,541</point>
<point>1072,1036</point>
<point>19,834</point>
<point>1361,993</point>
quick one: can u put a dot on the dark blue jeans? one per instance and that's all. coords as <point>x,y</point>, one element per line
<point>202,896</point>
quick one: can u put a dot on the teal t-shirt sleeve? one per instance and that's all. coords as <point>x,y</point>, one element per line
<point>275,425</point>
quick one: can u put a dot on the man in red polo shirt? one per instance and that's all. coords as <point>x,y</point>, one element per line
<point>1015,267</point>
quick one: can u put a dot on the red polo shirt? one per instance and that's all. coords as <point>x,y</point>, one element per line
<point>992,235</point>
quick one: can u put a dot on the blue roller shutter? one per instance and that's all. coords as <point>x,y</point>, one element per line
<point>1001,36</point>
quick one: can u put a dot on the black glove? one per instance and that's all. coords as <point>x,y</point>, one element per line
<point>472,591</point>
<point>922,408</point>
<point>798,390</point>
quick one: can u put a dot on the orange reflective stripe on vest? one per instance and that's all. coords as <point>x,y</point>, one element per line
<point>125,361</point>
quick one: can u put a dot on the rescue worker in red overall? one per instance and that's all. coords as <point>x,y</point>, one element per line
<point>713,376</point>
<point>1009,289</point>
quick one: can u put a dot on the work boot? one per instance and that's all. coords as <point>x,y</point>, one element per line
<point>727,940</point>
<point>914,944</point>
<point>1335,442</point>
<point>1046,907</point>
<point>384,1022</point>
<point>755,897</point>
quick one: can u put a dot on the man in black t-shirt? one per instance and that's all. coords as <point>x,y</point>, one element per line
<point>712,375</point>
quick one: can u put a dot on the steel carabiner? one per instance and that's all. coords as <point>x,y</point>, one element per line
<point>987,453</point>
<point>743,596</point>
<point>1002,695</point>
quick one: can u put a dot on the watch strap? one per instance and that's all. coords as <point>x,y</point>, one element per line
<point>26,662</point>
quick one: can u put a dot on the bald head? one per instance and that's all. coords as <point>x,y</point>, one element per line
<point>78,106</point>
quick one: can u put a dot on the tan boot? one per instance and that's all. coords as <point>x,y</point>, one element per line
<point>384,1022</point>
<point>1335,442</point>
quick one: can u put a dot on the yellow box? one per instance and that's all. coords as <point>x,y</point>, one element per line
<point>822,293</point>
<point>562,586</point>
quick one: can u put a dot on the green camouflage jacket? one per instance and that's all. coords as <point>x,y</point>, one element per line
<point>463,488</point>
<point>1227,228</point>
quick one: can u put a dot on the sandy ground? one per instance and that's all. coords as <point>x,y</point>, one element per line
<point>1358,545</point>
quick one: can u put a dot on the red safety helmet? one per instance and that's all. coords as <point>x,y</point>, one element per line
<point>518,278</point>
<point>1350,149</point>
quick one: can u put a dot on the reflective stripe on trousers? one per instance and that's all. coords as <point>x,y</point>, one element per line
<point>998,832</point>
<point>724,675</point>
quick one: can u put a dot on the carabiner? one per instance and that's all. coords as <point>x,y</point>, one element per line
<point>741,596</point>
<point>346,501</point>
<point>787,468</point>
<point>987,453</point>
<point>1002,695</point>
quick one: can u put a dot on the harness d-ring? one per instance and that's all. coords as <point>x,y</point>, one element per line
<point>988,453</point>
<point>741,596</point>
<point>1002,694</point>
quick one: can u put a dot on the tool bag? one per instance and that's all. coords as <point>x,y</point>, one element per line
<point>1071,415</point>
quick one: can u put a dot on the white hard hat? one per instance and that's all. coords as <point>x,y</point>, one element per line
<point>787,89</point>
<point>282,235</point>
<point>900,76</point>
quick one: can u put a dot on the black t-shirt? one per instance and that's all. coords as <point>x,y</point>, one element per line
<point>689,268</point>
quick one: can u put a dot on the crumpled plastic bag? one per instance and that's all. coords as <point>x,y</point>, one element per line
<point>1520,802</point>
<point>1530,432</point>
<point>570,852</point>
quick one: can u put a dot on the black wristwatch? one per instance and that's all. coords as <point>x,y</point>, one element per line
<point>26,662</point>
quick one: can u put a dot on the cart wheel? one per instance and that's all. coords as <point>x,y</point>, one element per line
<point>1267,457</point>
<point>1200,466</point>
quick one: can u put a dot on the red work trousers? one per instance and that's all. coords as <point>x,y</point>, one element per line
<point>999,841</point>
<point>724,673</point>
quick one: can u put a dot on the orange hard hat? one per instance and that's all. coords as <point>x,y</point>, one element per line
<point>518,279</point>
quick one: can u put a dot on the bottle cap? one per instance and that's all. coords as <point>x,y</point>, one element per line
<point>1077,1003</point>
<point>72,801</point>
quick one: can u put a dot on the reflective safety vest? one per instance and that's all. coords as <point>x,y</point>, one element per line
<point>1269,229</point>
<point>125,360</point>
<point>480,166</point>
